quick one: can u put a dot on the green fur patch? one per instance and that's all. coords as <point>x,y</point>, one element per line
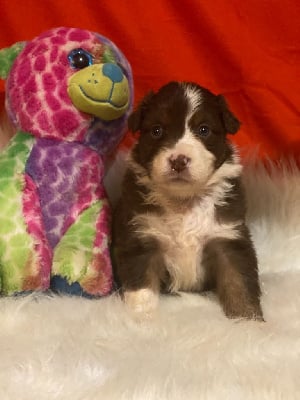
<point>74,252</point>
<point>8,56</point>
<point>15,243</point>
<point>108,56</point>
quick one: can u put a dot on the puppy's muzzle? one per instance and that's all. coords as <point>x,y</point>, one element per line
<point>179,163</point>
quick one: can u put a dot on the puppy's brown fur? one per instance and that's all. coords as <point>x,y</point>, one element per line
<point>180,225</point>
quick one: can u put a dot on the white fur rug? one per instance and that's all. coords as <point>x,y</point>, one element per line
<point>78,349</point>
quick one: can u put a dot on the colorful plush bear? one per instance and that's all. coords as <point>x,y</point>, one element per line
<point>68,92</point>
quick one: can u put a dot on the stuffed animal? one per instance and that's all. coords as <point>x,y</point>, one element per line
<point>68,92</point>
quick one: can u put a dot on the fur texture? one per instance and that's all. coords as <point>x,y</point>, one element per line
<point>180,222</point>
<point>191,350</point>
<point>6,129</point>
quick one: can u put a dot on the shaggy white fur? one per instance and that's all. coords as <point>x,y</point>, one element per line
<point>79,349</point>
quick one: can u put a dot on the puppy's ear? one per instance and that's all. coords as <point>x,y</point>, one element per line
<point>231,123</point>
<point>136,118</point>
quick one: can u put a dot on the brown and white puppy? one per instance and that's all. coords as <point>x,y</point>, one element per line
<point>180,222</point>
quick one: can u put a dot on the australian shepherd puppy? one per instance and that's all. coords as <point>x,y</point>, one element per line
<point>180,222</point>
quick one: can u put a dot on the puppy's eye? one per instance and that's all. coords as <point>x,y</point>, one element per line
<point>80,58</point>
<point>157,131</point>
<point>203,131</point>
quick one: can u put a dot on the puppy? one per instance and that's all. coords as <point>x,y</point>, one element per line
<point>180,222</point>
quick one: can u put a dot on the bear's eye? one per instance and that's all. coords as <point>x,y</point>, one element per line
<point>79,58</point>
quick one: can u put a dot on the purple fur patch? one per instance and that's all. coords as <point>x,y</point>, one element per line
<point>67,176</point>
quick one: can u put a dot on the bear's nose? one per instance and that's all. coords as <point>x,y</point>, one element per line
<point>179,163</point>
<point>113,72</point>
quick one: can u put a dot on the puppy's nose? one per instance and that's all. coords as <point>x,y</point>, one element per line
<point>179,163</point>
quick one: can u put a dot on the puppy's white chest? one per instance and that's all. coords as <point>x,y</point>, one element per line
<point>182,237</point>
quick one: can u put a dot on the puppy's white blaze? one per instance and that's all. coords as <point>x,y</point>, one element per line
<point>142,301</point>
<point>193,96</point>
<point>200,168</point>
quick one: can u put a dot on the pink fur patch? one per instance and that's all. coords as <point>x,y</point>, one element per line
<point>33,219</point>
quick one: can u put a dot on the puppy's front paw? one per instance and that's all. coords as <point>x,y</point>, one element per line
<point>143,303</point>
<point>240,310</point>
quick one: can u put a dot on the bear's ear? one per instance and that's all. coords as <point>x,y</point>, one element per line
<point>8,56</point>
<point>230,121</point>
<point>136,118</point>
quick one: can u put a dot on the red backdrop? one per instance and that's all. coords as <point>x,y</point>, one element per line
<point>247,50</point>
